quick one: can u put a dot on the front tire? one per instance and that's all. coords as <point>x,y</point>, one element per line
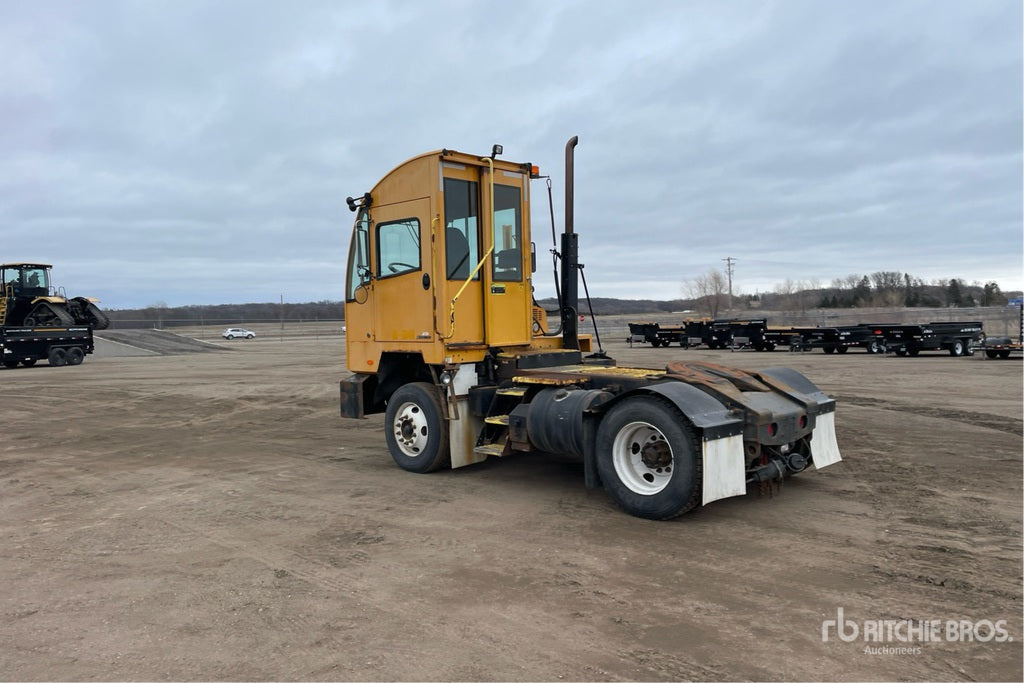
<point>648,459</point>
<point>415,430</point>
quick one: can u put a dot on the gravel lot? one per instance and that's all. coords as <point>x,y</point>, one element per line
<point>210,516</point>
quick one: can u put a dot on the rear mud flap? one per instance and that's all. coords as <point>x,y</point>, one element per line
<point>824,448</point>
<point>724,468</point>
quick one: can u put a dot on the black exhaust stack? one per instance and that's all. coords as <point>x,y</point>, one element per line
<point>570,259</point>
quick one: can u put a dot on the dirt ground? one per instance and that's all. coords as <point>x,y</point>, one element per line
<point>210,516</point>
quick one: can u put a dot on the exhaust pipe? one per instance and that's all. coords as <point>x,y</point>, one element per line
<point>570,258</point>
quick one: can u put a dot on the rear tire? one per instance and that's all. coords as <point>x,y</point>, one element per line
<point>75,355</point>
<point>415,430</point>
<point>648,459</point>
<point>57,357</point>
<point>1004,354</point>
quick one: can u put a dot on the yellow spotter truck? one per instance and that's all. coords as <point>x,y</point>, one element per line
<point>445,339</point>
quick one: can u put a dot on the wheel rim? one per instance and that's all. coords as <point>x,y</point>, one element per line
<point>410,427</point>
<point>642,458</point>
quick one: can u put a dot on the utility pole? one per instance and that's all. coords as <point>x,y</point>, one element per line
<point>729,261</point>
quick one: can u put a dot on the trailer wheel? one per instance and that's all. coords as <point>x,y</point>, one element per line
<point>842,349</point>
<point>416,433</point>
<point>14,363</point>
<point>969,347</point>
<point>957,349</point>
<point>28,362</point>
<point>874,346</point>
<point>57,357</point>
<point>1005,353</point>
<point>648,459</point>
<point>75,355</point>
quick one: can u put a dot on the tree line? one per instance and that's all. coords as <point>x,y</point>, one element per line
<point>161,315</point>
<point>881,289</point>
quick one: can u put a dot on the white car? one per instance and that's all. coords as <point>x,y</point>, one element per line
<point>233,332</point>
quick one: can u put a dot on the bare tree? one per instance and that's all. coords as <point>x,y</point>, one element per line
<point>710,291</point>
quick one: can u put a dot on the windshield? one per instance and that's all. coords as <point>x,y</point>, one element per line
<point>27,280</point>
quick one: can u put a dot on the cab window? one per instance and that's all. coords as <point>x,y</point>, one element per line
<point>460,234</point>
<point>398,247</point>
<point>508,255</point>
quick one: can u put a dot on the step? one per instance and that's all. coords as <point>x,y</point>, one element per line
<point>497,420</point>
<point>495,449</point>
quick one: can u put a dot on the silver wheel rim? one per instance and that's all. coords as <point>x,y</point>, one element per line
<point>642,458</point>
<point>410,428</point>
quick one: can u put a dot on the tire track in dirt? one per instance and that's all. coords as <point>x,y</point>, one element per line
<point>1008,425</point>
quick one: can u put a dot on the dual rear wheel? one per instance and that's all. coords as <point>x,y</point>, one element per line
<point>648,459</point>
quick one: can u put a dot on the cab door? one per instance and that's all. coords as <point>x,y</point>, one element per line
<point>402,297</point>
<point>508,295</point>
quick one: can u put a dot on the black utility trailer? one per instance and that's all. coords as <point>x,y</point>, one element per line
<point>840,339</point>
<point>751,333</point>
<point>689,333</point>
<point>58,345</point>
<point>958,338</point>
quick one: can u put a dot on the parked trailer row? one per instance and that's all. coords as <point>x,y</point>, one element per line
<point>957,338</point>
<point>58,345</point>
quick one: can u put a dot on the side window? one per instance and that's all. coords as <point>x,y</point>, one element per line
<point>398,247</point>
<point>358,256</point>
<point>508,254</point>
<point>462,250</point>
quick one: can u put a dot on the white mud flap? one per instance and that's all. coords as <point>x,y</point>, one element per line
<point>724,468</point>
<point>824,448</point>
<point>462,433</point>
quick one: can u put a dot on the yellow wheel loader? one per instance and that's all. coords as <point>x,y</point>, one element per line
<point>445,339</point>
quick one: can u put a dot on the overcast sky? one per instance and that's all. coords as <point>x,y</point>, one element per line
<point>191,152</point>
